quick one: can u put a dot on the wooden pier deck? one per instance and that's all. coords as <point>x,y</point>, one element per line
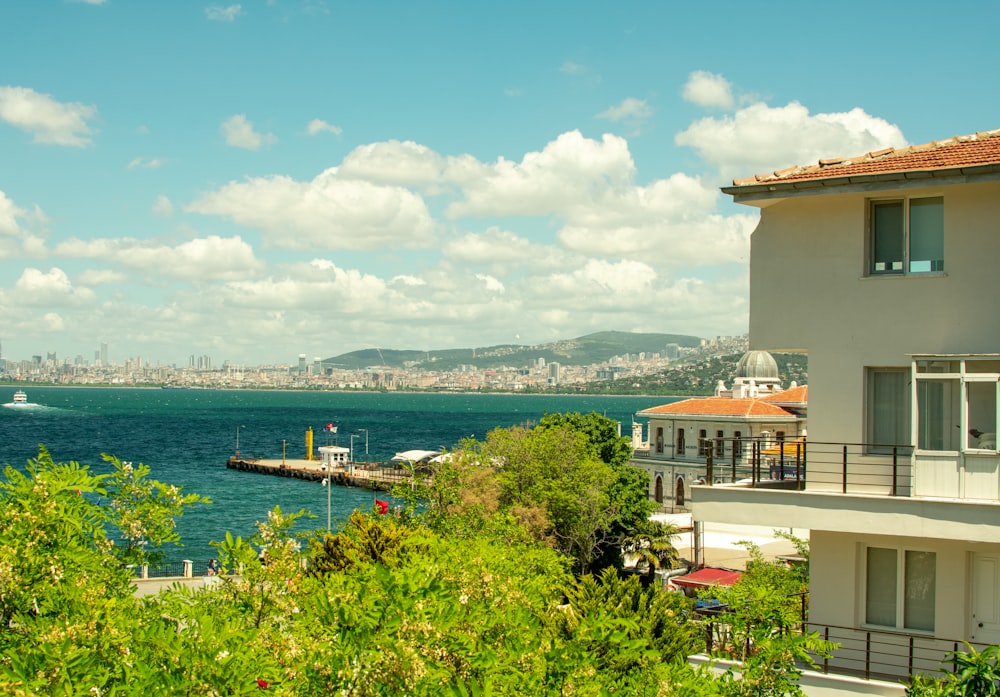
<point>365,475</point>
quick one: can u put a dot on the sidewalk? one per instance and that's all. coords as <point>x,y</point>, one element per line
<point>720,541</point>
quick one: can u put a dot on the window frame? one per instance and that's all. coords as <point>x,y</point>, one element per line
<point>907,204</point>
<point>873,447</point>
<point>900,588</point>
<point>956,373</point>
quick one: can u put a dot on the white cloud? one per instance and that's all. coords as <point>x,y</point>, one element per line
<point>240,133</point>
<point>503,252</point>
<point>394,162</point>
<point>708,90</point>
<point>223,14</point>
<point>569,169</point>
<point>101,277</point>
<point>328,212</point>
<point>491,283</point>
<point>163,206</point>
<point>49,121</point>
<point>9,215</point>
<point>46,289</point>
<point>89,2</point>
<point>630,109</point>
<point>572,68</point>
<point>317,126</point>
<point>198,260</point>
<point>761,138</point>
<point>154,163</point>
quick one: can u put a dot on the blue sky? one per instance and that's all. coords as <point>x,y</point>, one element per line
<point>253,181</point>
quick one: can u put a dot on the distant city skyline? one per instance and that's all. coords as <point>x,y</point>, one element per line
<point>251,181</point>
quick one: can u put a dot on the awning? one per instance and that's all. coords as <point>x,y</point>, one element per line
<point>416,456</point>
<point>709,576</point>
<point>788,447</point>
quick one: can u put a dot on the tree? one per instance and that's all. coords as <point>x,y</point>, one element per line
<point>627,489</point>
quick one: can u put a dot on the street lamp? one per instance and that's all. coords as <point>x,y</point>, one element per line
<point>328,484</point>
<point>366,442</point>
<point>238,439</point>
<point>353,436</point>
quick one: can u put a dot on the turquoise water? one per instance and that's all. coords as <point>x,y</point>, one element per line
<point>185,436</point>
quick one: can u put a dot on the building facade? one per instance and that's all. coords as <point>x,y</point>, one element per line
<point>883,265</point>
<point>730,429</point>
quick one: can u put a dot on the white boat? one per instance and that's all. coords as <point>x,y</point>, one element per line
<point>20,398</point>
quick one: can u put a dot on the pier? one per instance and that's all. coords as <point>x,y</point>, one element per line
<point>368,475</point>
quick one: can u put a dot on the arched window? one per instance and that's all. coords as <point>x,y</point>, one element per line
<point>659,489</point>
<point>659,439</point>
<point>680,443</point>
<point>679,496</point>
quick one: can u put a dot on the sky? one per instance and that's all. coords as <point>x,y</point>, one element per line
<point>258,180</point>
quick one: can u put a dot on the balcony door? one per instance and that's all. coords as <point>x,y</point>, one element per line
<point>984,626</point>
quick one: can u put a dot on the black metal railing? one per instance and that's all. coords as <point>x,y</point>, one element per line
<point>861,652</point>
<point>846,467</point>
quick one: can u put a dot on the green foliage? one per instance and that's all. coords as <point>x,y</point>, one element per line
<point>144,510</point>
<point>976,674</point>
<point>365,539</point>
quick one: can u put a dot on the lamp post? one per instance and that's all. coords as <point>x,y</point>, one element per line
<point>353,436</point>
<point>328,484</point>
<point>238,440</point>
<point>366,442</point>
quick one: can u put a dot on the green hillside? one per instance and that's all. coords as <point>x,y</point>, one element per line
<point>584,350</point>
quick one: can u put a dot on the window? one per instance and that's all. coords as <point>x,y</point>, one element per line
<point>887,409</point>
<point>702,442</point>
<point>738,443</point>
<point>720,444</point>
<point>900,587</point>
<point>906,236</point>
<point>680,443</point>
<point>957,403</point>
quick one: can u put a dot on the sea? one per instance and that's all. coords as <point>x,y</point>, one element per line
<point>186,435</point>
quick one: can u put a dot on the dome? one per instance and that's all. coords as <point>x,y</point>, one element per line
<point>757,364</point>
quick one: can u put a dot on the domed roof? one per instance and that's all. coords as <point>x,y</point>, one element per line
<point>757,364</point>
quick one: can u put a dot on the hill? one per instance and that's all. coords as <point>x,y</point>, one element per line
<point>584,350</point>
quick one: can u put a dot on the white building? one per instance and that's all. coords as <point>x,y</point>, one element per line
<point>730,433</point>
<point>883,265</point>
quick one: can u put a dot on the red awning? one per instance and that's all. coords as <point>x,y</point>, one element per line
<point>706,577</point>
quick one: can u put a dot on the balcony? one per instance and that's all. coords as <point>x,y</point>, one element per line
<point>855,487</point>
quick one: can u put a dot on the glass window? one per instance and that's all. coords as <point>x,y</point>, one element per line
<point>888,412</point>
<point>920,584</point>
<point>982,400</point>
<point>702,442</point>
<point>880,585</point>
<point>926,235</point>
<point>938,418</point>
<point>720,444</point>
<point>907,237</point>
<point>900,588</point>
<point>738,443</point>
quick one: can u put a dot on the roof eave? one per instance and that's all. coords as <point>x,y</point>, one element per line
<point>859,183</point>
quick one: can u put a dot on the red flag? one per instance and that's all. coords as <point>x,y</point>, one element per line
<point>383,506</point>
<point>331,428</point>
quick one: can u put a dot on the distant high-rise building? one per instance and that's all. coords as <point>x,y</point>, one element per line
<point>104,353</point>
<point>554,373</point>
<point>302,364</point>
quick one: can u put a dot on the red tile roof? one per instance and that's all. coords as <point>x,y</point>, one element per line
<point>719,406</point>
<point>961,151</point>
<point>795,395</point>
<point>708,576</point>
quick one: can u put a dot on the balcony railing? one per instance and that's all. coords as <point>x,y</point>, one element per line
<point>860,652</point>
<point>862,468</point>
